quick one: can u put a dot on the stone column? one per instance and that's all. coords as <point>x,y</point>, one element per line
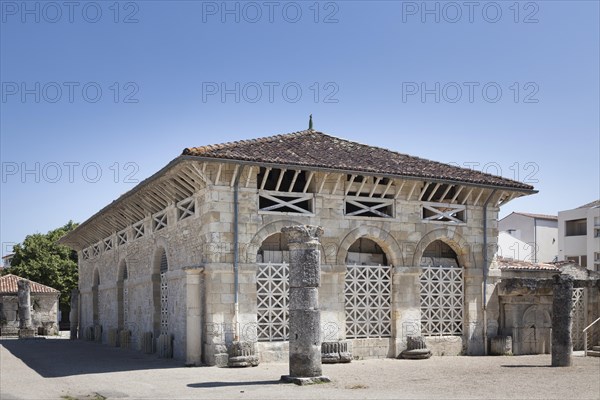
<point>562,321</point>
<point>304,313</point>
<point>74,314</point>
<point>24,299</point>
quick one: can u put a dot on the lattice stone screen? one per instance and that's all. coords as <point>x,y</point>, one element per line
<point>367,296</point>
<point>164,295</point>
<point>272,301</point>
<point>578,318</point>
<point>441,300</point>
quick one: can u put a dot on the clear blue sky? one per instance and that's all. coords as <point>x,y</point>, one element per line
<point>419,78</point>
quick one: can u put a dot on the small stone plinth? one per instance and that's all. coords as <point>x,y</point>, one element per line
<point>242,354</point>
<point>416,349</point>
<point>221,355</point>
<point>26,333</point>
<point>335,352</point>
<point>501,346</point>
<point>304,381</point>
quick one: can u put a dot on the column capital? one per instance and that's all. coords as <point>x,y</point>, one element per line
<point>300,234</point>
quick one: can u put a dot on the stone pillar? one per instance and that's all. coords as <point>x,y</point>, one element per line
<point>562,321</point>
<point>24,299</point>
<point>304,314</point>
<point>74,314</point>
<point>193,323</point>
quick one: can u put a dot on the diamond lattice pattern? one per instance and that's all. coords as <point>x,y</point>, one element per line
<point>367,296</point>
<point>441,300</point>
<point>272,301</point>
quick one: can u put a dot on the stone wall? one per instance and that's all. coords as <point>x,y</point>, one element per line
<point>206,240</point>
<point>44,315</point>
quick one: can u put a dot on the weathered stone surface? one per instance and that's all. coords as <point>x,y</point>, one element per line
<point>305,298</point>
<point>562,321</point>
<point>304,381</point>
<point>416,349</point>
<point>242,354</point>
<point>335,352</point>
<point>501,346</point>
<point>304,320</point>
<point>74,314</point>
<point>24,296</point>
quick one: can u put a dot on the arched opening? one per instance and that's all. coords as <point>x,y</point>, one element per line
<point>367,291</point>
<point>442,291</point>
<point>122,296</point>
<point>161,294</point>
<point>272,289</point>
<point>95,305</point>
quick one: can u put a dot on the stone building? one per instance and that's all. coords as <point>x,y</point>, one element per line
<point>44,307</point>
<point>195,253</point>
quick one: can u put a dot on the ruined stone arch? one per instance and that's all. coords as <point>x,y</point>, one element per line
<point>458,244</point>
<point>379,236</point>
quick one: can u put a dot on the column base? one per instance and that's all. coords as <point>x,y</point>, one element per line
<point>305,381</point>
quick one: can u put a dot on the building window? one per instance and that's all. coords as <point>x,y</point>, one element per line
<point>576,227</point>
<point>159,221</point>
<point>122,238</point>
<point>96,250</point>
<point>291,203</point>
<point>441,212</point>
<point>272,292</point>
<point>186,209</point>
<point>361,207</point>
<point>86,254</point>
<point>138,230</point>
<point>583,261</point>
<point>596,232</point>
<point>367,291</point>
<point>442,291</point>
<point>108,244</point>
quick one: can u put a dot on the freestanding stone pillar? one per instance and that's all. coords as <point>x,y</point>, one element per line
<point>74,314</point>
<point>562,321</point>
<point>304,313</point>
<point>24,299</point>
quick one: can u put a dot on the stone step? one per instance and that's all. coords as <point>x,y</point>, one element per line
<point>593,353</point>
<point>596,348</point>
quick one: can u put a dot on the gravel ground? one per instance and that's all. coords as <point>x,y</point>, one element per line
<point>51,369</point>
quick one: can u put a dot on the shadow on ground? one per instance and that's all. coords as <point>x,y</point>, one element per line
<point>226,384</point>
<point>59,357</point>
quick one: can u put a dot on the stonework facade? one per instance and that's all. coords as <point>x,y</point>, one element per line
<point>43,304</point>
<point>176,252</point>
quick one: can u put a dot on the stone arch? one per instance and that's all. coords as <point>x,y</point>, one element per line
<point>458,244</point>
<point>122,275</point>
<point>263,233</point>
<point>160,268</point>
<point>379,236</point>
<point>95,305</point>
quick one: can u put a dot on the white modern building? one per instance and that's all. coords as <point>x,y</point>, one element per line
<point>579,235</point>
<point>528,237</point>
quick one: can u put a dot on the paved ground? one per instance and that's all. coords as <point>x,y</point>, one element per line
<point>42,369</point>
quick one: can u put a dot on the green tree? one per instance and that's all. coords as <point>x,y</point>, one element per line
<point>41,259</point>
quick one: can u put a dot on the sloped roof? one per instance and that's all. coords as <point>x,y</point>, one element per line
<point>517,265</point>
<point>8,285</point>
<point>538,216</point>
<point>310,148</point>
<point>595,203</point>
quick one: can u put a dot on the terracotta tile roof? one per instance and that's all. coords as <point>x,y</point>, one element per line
<point>8,285</point>
<point>517,265</point>
<point>539,216</point>
<point>318,150</point>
